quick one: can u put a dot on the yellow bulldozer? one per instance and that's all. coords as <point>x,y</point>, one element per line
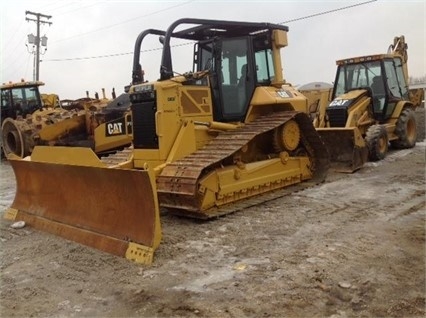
<point>370,106</point>
<point>30,118</point>
<point>205,143</point>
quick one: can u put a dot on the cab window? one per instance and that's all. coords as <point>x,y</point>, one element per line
<point>234,76</point>
<point>395,79</point>
<point>264,67</point>
<point>5,100</point>
<point>353,76</point>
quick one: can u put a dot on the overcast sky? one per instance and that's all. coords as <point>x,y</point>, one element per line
<point>90,43</point>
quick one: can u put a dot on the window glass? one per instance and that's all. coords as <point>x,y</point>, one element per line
<point>392,79</point>
<point>234,57</point>
<point>354,76</point>
<point>206,57</point>
<point>242,69</point>
<point>264,66</point>
<point>226,79</point>
<point>25,99</point>
<point>234,76</point>
<point>5,98</point>
<point>399,79</point>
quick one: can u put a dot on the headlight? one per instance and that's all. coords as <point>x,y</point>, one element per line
<point>142,92</point>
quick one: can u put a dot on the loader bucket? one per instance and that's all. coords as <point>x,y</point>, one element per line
<point>346,147</point>
<point>68,191</point>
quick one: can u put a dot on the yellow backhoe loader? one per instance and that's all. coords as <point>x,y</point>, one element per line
<point>371,106</point>
<point>205,143</point>
<point>30,118</point>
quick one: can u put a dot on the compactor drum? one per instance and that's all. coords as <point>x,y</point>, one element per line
<point>44,126</point>
<point>204,142</point>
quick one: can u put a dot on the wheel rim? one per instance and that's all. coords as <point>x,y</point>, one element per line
<point>13,143</point>
<point>290,135</point>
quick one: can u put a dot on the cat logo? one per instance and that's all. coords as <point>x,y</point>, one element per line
<point>115,128</point>
<point>339,102</point>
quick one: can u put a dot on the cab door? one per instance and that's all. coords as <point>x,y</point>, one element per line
<point>236,78</point>
<point>396,84</point>
<point>232,76</point>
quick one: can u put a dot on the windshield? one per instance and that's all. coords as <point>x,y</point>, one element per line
<point>352,76</point>
<point>25,99</point>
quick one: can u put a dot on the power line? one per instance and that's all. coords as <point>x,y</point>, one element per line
<point>14,34</point>
<point>87,58</point>
<point>128,53</point>
<point>122,22</point>
<point>13,51</point>
<point>77,9</point>
<point>52,4</point>
<point>26,67</point>
<point>110,55</point>
<point>327,12</point>
<point>80,7</point>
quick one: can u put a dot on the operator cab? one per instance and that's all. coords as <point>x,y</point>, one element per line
<point>19,99</point>
<point>381,76</point>
<point>230,59</point>
<point>238,56</point>
<point>237,66</point>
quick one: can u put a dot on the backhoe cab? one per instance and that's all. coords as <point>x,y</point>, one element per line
<point>382,79</point>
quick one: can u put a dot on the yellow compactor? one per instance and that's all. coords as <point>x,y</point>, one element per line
<point>371,107</point>
<point>204,143</point>
<point>29,118</point>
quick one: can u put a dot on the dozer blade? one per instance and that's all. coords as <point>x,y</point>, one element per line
<point>68,192</point>
<point>346,147</point>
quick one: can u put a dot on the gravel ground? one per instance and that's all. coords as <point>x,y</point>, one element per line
<point>353,246</point>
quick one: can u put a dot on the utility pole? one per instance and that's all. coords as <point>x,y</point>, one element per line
<point>37,41</point>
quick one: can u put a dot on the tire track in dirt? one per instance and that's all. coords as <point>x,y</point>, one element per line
<point>285,257</point>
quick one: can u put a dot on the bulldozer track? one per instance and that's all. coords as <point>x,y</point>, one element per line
<point>237,206</point>
<point>179,180</point>
<point>118,157</point>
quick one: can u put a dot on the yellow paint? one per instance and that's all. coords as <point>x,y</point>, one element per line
<point>10,214</point>
<point>139,254</point>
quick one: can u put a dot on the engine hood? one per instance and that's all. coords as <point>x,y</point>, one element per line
<point>348,99</point>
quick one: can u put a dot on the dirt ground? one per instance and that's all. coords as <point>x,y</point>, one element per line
<point>353,246</point>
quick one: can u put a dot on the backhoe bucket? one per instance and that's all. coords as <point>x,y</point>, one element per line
<point>346,147</point>
<point>69,192</point>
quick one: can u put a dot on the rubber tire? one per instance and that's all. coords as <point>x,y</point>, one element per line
<point>406,130</point>
<point>377,142</point>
